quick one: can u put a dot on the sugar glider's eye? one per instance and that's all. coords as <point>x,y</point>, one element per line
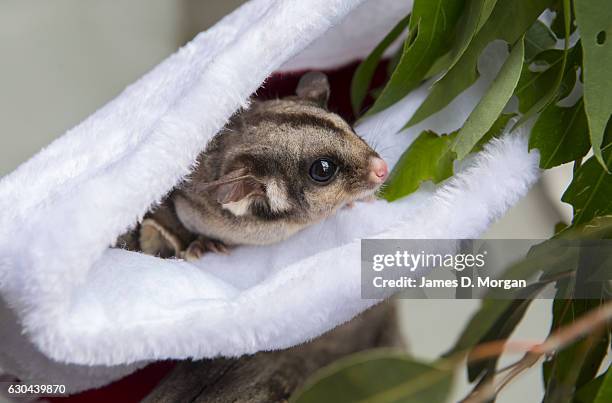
<point>323,170</point>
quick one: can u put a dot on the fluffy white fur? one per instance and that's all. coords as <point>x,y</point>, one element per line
<point>75,301</point>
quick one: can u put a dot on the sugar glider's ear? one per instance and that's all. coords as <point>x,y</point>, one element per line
<point>314,87</point>
<point>234,186</point>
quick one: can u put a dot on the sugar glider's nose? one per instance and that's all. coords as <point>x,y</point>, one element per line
<point>378,170</point>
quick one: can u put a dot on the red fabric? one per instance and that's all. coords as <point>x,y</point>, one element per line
<point>281,85</point>
<point>136,386</point>
<point>132,388</point>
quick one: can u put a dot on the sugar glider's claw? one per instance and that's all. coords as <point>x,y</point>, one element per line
<point>202,245</point>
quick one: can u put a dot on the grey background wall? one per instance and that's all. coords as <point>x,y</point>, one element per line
<point>63,59</point>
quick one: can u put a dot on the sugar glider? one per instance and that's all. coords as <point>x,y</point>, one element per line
<point>277,167</point>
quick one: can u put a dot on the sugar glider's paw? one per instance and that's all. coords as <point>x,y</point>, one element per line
<point>202,245</point>
<point>157,241</point>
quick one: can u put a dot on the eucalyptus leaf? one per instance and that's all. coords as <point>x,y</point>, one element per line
<point>551,94</point>
<point>575,365</point>
<point>588,392</point>
<point>599,227</point>
<point>545,79</point>
<point>364,73</point>
<point>429,158</point>
<point>594,18</point>
<point>560,226</point>
<point>534,83</point>
<point>496,130</point>
<point>476,14</point>
<point>590,192</point>
<point>426,159</point>
<point>377,376</point>
<point>561,134</point>
<point>480,323</point>
<point>501,329</point>
<point>434,22</point>
<point>548,258</point>
<point>473,18</point>
<point>557,25</point>
<point>604,394</point>
<point>492,103</point>
<point>393,62</point>
<point>508,21</point>
<point>538,39</point>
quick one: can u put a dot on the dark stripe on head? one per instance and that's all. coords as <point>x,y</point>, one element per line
<point>297,120</point>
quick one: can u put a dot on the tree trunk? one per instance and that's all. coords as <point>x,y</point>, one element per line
<point>274,376</point>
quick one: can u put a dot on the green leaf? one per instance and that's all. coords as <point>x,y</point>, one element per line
<point>472,19</point>
<point>492,103</point>
<point>549,258</point>
<point>561,135</point>
<point>538,39</point>
<point>551,94</point>
<point>476,14</point>
<point>394,61</point>
<point>508,21</point>
<point>604,395</point>
<point>587,393</point>
<point>533,84</point>
<point>575,365</point>
<point>364,73</point>
<point>377,376</point>
<point>426,159</point>
<point>495,131</point>
<point>544,80</point>
<point>480,323</point>
<point>557,25</point>
<point>560,226</point>
<point>598,228</point>
<point>590,192</point>
<point>429,158</point>
<point>501,329</point>
<point>434,22</point>
<point>594,18</point>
